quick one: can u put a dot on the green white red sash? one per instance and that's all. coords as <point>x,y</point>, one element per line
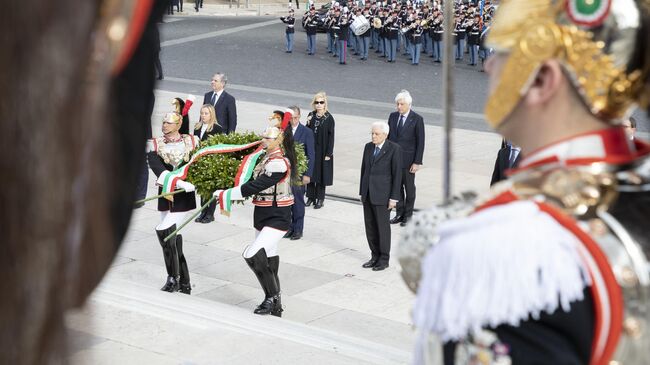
<point>243,175</point>
<point>169,182</point>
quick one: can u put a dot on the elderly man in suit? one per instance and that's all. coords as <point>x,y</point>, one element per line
<point>224,103</point>
<point>407,130</point>
<point>381,180</point>
<point>304,135</point>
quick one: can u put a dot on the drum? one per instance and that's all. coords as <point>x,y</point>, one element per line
<point>360,25</point>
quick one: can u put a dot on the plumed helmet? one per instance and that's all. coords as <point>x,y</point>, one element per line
<point>603,45</point>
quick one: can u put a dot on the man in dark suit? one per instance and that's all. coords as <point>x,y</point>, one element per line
<point>224,103</point>
<point>507,158</point>
<point>379,188</point>
<point>304,135</point>
<point>407,130</point>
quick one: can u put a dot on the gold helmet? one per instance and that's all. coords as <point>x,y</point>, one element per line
<point>603,45</point>
<point>172,118</point>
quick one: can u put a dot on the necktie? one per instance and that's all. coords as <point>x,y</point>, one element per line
<point>400,124</point>
<point>376,153</point>
<point>214,99</point>
<point>514,152</point>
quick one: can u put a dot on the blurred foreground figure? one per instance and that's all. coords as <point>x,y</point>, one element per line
<point>552,267</point>
<point>78,94</point>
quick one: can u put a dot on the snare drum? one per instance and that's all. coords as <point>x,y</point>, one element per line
<point>360,25</point>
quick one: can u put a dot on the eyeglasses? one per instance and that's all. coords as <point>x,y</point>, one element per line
<point>319,102</point>
<point>166,122</point>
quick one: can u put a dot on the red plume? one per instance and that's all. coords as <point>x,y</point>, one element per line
<point>286,119</point>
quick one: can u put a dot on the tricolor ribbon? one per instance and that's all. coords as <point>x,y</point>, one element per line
<point>244,173</point>
<point>169,182</point>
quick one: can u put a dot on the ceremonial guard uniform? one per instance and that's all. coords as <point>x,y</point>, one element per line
<point>165,155</point>
<point>551,267</point>
<point>270,188</point>
<point>290,21</point>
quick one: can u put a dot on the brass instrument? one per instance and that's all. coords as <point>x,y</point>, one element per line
<point>376,22</point>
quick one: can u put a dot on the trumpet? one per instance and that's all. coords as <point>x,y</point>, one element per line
<point>376,23</point>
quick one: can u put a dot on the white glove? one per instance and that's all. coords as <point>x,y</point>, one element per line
<point>217,193</point>
<point>180,184</point>
<point>191,98</point>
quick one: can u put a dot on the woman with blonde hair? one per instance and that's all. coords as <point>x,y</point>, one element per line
<point>321,122</point>
<point>207,126</point>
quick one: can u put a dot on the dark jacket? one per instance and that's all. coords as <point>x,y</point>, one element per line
<point>411,137</point>
<point>305,136</point>
<point>324,146</point>
<point>226,110</point>
<point>216,129</point>
<point>381,176</point>
<point>502,164</point>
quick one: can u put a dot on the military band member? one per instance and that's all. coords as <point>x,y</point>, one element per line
<point>290,21</point>
<point>392,26</point>
<point>364,39</point>
<point>343,25</point>
<point>548,269</point>
<point>383,34</point>
<point>437,31</point>
<point>473,39</point>
<point>416,33</point>
<point>460,29</point>
<point>311,25</point>
<point>331,39</point>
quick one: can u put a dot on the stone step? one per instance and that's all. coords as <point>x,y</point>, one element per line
<point>191,312</point>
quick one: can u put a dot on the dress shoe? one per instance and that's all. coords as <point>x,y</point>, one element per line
<point>288,234</point>
<point>296,236</point>
<point>404,221</point>
<point>397,219</point>
<point>309,202</point>
<point>370,263</point>
<point>199,219</point>
<point>379,267</point>
<point>318,204</point>
<point>208,219</point>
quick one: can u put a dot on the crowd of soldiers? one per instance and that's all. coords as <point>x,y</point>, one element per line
<point>394,26</point>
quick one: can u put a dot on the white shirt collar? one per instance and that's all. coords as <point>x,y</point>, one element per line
<point>406,115</point>
<point>380,145</point>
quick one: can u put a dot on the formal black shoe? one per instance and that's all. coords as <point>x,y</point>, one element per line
<point>171,285</point>
<point>379,267</point>
<point>309,202</point>
<point>185,289</point>
<point>397,219</point>
<point>288,234</point>
<point>207,219</point>
<point>296,236</point>
<point>370,263</point>
<point>160,77</point>
<point>199,219</point>
<point>405,221</point>
<point>318,204</point>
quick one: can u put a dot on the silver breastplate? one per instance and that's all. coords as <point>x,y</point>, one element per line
<point>175,153</point>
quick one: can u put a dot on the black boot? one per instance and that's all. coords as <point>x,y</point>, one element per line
<point>274,264</point>
<point>184,280</point>
<point>170,254</point>
<point>309,202</point>
<point>200,217</point>
<point>260,265</point>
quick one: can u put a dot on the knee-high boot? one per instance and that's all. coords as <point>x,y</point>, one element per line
<point>170,254</point>
<point>260,266</point>
<point>274,264</point>
<point>184,280</point>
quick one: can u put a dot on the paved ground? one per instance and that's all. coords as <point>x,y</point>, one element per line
<point>336,312</point>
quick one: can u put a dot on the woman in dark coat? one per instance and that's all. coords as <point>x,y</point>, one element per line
<point>206,127</point>
<point>321,123</point>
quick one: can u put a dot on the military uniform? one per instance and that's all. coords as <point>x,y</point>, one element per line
<point>551,267</point>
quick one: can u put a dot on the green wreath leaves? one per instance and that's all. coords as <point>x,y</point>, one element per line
<point>218,171</point>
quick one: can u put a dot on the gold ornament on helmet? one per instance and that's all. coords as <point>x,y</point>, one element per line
<point>172,118</point>
<point>597,41</point>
